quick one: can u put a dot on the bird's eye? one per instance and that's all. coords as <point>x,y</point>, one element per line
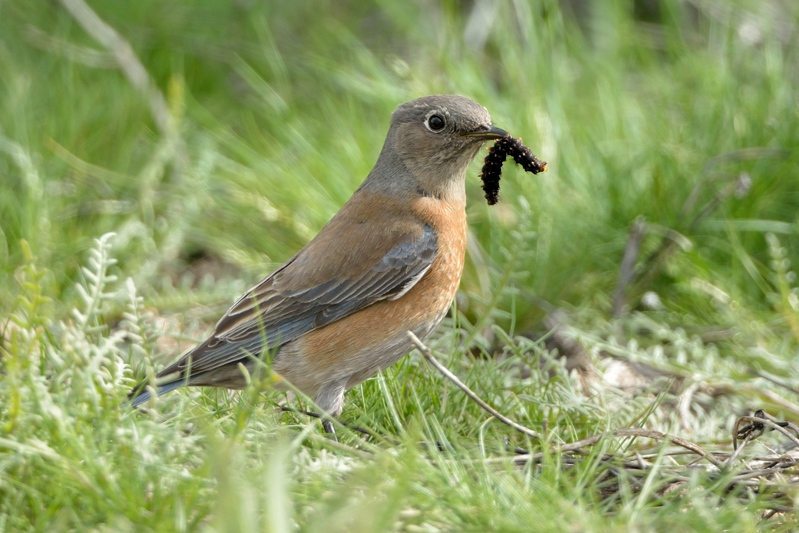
<point>435,123</point>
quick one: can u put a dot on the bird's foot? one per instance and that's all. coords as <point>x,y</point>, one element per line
<point>327,425</point>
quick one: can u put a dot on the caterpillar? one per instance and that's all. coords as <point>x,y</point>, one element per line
<point>492,164</point>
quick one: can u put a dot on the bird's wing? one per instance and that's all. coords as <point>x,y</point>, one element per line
<point>300,297</point>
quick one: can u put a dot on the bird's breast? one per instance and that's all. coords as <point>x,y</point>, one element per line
<point>438,287</point>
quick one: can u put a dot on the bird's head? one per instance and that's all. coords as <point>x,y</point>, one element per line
<point>431,142</point>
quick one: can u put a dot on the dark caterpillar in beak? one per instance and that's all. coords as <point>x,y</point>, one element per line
<point>492,164</point>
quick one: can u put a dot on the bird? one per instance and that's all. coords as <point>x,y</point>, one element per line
<point>388,262</point>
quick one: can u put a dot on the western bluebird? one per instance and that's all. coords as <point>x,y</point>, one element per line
<point>388,262</point>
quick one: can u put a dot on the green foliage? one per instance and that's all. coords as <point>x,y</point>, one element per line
<point>683,113</point>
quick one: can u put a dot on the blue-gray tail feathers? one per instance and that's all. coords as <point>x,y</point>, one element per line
<point>145,395</point>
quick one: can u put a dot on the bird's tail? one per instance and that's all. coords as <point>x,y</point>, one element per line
<point>139,394</point>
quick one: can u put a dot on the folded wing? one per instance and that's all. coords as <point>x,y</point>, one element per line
<point>284,306</point>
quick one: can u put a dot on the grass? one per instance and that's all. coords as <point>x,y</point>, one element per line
<point>685,115</point>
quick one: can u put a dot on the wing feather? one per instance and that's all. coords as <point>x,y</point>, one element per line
<point>274,313</point>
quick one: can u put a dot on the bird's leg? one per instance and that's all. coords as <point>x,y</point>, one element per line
<point>327,425</point>
<point>331,399</point>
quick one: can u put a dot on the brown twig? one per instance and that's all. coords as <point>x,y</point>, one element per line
<point>469,392</point>
<point>646,433</point>
<point>758,423</point>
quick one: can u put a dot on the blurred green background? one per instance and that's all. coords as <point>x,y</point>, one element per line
<point>216,138</point>
<point>276,113</point>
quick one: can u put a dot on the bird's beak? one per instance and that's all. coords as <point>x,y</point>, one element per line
<point>487,132</point>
